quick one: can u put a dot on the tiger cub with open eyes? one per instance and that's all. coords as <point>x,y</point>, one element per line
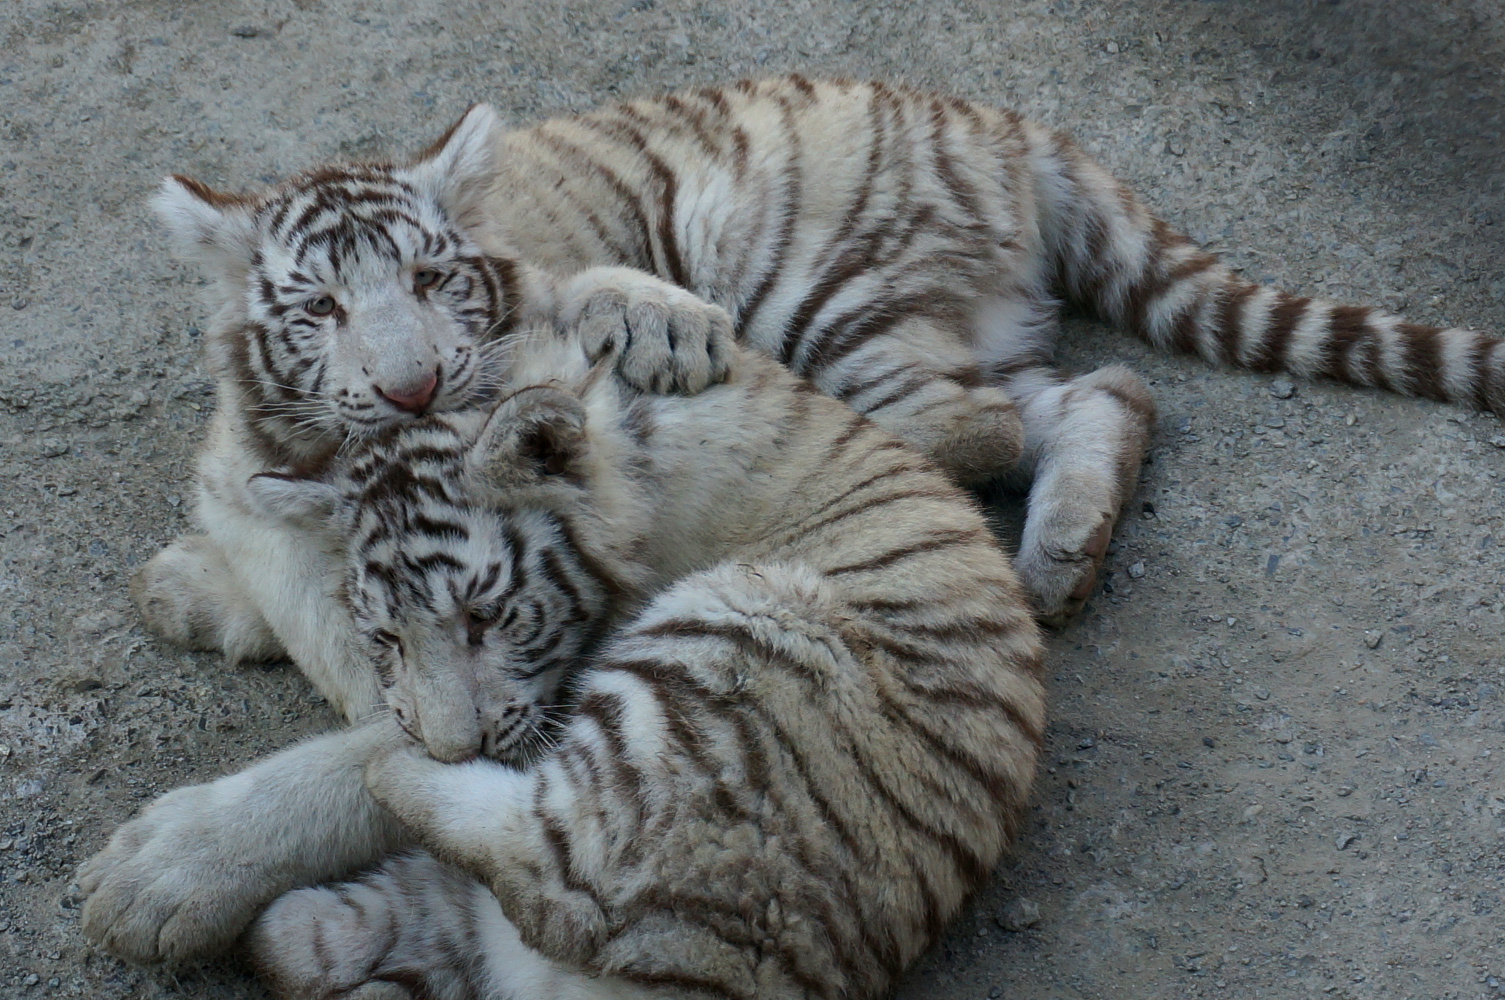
<point>904,250</point>
<point>808,736</point>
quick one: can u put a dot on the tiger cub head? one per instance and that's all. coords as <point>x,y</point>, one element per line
<point>475,574</point>
<point>350,299</point>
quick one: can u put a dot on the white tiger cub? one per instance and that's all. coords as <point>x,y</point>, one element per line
<point>808,738</point>
<point>346,301</point>
<point>904,250</point>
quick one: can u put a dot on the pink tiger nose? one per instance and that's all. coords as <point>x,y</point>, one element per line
<point>413,397</point>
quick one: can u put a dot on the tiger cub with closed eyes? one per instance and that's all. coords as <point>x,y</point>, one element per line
<point>807,737</point>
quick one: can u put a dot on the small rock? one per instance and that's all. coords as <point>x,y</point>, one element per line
<point>20,304</point>
<point>1345,791</point>
<point>1086,743</point>
<point>52,447</point>
<point>1282,388</point>
<point>1111,48</point>
<point>1498,440</point>
<point>1020,914</point>
<point>1344,839</point>
<point>1252,812</point>
<point>1175,147</point>
<point>1427,740</point>
<point>1263,694</point>
<point>31,980</point>
<point>1136,571</point>
<point>248,31</point>
<point>1372,639</point>
<point>1207,741</point>
<point>1282,737</point>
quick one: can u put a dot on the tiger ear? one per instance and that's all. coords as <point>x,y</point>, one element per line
<point>308,503</point>
<point>213,230</point>
<point>458,168</point>
<point>536,435</point>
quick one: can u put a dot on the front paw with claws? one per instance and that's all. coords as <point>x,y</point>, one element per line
<point>666,339</point>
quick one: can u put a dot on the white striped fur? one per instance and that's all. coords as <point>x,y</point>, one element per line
<point>904,250</point>
<point>807,739</point>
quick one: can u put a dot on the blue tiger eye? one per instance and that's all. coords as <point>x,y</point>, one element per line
<point>321,306</point>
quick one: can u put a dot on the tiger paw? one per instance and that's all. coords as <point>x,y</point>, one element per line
<point>173,884</point>
<point>188,595</point>
<point>314,943</point>
<point>1060,578</point>
<point>666,339</point>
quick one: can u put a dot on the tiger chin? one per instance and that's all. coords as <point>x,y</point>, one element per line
<point>732,694</point>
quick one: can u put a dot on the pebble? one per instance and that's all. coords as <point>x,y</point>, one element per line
<point>1372,639</point>
<point>1020,914</point>
<point>1136,571</point>
<point>52,447</point>
<point>1263,694</point>
<point>1344,839</point>
<point>31,980</point>
<point>1282,388</point>
<point>1498,440</point>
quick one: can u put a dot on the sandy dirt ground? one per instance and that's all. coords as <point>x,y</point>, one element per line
<point>1275,763</point>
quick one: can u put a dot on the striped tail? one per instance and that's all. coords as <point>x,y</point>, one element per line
<point>1112,256</point>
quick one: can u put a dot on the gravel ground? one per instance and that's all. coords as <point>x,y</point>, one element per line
<point>1274,768</point>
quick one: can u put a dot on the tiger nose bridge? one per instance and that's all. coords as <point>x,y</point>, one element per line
<point>451,725</point>
<point>401,353</point>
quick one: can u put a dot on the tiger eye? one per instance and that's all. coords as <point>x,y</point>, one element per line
<point>427,278</point>
<point>321,306</point>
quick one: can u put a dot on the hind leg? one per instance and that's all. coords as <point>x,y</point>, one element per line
<point>1085,440</point>
<point>413,928</point>
<point>188,595</point>
<point>407,929</point>
<point>936,402</point>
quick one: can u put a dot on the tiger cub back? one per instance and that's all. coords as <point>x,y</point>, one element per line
<point>811,736</point>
